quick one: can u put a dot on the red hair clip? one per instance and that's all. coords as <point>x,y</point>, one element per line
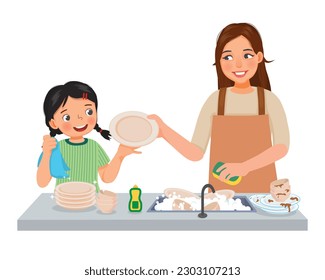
<point>85,95</point>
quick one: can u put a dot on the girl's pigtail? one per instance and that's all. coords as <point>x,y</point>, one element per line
<point>105,133</point>
<point>54,132</point>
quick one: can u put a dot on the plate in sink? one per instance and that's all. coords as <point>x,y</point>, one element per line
<point>180,193</point>
<point>244,200</point>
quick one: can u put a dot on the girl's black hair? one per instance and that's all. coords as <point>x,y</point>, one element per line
<point>58,96</point>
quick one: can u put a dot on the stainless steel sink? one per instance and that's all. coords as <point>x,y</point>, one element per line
<point>245,201</point>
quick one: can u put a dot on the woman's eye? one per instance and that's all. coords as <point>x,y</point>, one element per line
<point>66,118</point>
<point>89,112</point>
<point>228,57</point>
<point>247,55</point>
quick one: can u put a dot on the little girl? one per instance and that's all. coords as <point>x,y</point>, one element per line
<point>71,109</point>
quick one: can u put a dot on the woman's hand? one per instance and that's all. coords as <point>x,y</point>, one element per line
<point>182,145</point>
<point>268,156</point>
<point>49,143</point>
<point>161,124</point>
<point>124,151</point>
<point>232,169</point>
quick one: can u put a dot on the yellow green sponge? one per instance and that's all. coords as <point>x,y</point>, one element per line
<point>231,181</point>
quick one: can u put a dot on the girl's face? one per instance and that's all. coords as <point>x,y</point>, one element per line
<point>239,62</point>
<point>76,118</point>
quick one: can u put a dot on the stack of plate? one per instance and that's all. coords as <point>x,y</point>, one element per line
<point>267,203</point>
<point>75,195</point>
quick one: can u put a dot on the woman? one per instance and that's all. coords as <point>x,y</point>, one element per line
<point>71,109</point>
<point>244,119</point>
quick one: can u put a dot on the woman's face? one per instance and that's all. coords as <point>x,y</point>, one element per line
<point>239,62</point>
<point>76,118</point>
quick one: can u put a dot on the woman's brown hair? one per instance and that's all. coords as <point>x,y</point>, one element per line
<point>231,32</point>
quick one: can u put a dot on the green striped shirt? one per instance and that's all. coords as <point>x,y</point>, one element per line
<point>83,159</point>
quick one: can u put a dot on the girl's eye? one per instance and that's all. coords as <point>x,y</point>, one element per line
<point>247,55</point>
<point>228,57</point>
<point>89,112</point>
<point>66,118</point>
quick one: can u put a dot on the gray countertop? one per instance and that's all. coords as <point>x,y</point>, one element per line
<point>44,214</point>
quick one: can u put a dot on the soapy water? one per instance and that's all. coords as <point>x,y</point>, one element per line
<point>195,203</point>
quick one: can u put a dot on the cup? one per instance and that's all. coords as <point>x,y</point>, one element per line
<point>280,190</point>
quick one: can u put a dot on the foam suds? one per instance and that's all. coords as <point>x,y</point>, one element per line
<point>224,203</point>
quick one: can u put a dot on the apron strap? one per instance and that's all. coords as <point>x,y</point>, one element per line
<point>221,101</point>
<point>261,101</point>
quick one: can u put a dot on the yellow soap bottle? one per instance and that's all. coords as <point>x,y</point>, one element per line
<point>135,203</point>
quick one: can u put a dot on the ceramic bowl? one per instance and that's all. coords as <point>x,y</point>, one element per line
<point>106,207</point>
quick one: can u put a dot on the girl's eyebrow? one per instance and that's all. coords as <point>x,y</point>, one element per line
<point>226,51</point>
<point>64,111</point>
<point>247,50</point>
<point>88,105</point>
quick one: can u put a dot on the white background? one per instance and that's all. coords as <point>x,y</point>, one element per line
<point>155,57</point>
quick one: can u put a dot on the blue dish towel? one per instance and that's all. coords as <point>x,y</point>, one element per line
<point>58,167</point>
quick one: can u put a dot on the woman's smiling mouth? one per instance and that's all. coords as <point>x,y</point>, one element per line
<point>240,74</point>
<point>80,128</point>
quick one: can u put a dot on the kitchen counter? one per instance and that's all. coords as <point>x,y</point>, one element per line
<point>44,214</point>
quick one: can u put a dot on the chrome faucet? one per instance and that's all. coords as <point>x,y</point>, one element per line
<point>202,214</point>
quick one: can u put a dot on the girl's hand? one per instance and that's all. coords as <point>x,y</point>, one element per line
<point>124,151</point>
<point>232,169</point>
<point>49,143</point>
<point>160,123</point>
<point>109,172</point>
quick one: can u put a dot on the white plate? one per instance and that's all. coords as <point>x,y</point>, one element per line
<point>269,201</point>
<point>258,201</point>
<point>133,129</point>
<point>293,208</point>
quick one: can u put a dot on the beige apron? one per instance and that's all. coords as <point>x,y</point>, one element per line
<point>235,139</point>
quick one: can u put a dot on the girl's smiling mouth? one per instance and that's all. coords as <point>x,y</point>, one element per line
<point>80,128</point>
<point>240,74</point>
